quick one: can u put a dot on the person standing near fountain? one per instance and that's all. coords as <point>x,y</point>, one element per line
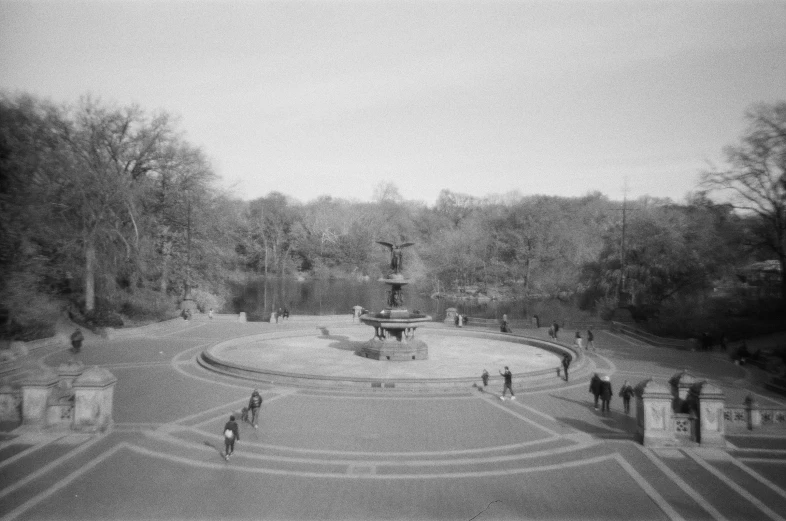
<point>508,385</point>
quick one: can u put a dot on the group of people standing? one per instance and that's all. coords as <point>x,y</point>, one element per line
<point>600,387</point>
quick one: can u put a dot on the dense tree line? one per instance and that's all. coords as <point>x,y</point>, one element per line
<point>107,209</point>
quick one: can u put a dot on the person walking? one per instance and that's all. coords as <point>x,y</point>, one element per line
<point>504,327</point>
<point>254,403</point>
<point>551,332</point>
<point>556,330</point>
<point>578,340</point>
<point>605,394</point>
<point>508,386</point>
<point>626,392</point>
<point>565,364</point>
<point>485,378</point>
<point>76,340</point>
<point>590,340</point>
<point>594,388</point>
<point>210,314</point>
<point>231,435</point>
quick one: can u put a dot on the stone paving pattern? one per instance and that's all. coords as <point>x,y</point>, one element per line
<point>323,454</point>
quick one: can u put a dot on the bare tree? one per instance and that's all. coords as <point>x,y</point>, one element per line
<point>756,177</point>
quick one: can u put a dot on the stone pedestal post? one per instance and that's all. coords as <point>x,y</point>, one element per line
<point>9,404</point>
<point>450,316</point>
<point>94,390</point>
<point>711,404</point>
<point>241,317</point>
<point>654,414</point>
<point>35,394</point>
<point>680,389</point>
<point>68,372</point>
<point>752,412</point>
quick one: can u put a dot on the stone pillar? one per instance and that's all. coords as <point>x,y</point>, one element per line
<point>9,404</point>
<point>241,317</point>
<point>35,394</point>
<point>68,372</point>
<point>654,414</point>
<point>711,405</point>
<point>94,390</point>
<point>450,316</point>
<point>752,412</point>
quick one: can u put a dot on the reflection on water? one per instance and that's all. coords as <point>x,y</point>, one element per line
<point>337,297</point>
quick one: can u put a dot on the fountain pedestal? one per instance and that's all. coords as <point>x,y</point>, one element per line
<point>394,328</point>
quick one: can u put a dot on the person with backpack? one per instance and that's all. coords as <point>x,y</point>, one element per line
<point>231,435</point>
<point>254,403</point>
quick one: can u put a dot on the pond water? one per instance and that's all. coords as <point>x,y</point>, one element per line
<point>336,297</point>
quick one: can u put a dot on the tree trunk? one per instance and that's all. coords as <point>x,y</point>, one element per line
<point>90,275</point>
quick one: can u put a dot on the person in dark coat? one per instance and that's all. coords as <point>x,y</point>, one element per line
<point>254,403</point>
<point>605,394</point>
<point>556,330</point>
<point>590,340</point>
<point>594,388</point>
<point>76,340</point>
<point>485,378</point>
<point>231,435</point>
<point>626,392</point>
<point>565,364</point>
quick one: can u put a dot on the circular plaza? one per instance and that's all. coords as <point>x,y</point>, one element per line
<point>332,357</point>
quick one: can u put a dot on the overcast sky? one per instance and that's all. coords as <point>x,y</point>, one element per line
<point>320,97</point>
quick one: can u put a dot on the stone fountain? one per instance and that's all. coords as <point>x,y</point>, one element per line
<point>394,327</point>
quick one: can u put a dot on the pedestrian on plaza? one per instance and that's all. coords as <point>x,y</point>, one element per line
<point>578,340</point>
<point>590,340</point>
<point>210,314</point>
<point>254,403</point>
<point>508,386</point>
<point>566,364</point>
<point>594,388</point>
<point>626,392</point>
<point>551,332</point>
<point>556,330</point>
<point>286,312</point>
<point>231,435</point>
<point>485,378</point>
<point>273,317</point>
<point>504,327</point>
<point>76,340</point>
<point>605,394</point>
<point>536,321</point>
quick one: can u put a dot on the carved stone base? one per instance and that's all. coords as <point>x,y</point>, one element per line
<point>394,350</point>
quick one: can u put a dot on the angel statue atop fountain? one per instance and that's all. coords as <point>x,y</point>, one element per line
<point>396,255</point>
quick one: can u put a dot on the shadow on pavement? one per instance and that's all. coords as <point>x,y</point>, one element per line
<point>597,431</point>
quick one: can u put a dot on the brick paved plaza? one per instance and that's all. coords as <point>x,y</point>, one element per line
<point>338,453</point>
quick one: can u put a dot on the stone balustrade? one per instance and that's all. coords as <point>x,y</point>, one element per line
<point>688,412</point>
<point>73,398</point>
